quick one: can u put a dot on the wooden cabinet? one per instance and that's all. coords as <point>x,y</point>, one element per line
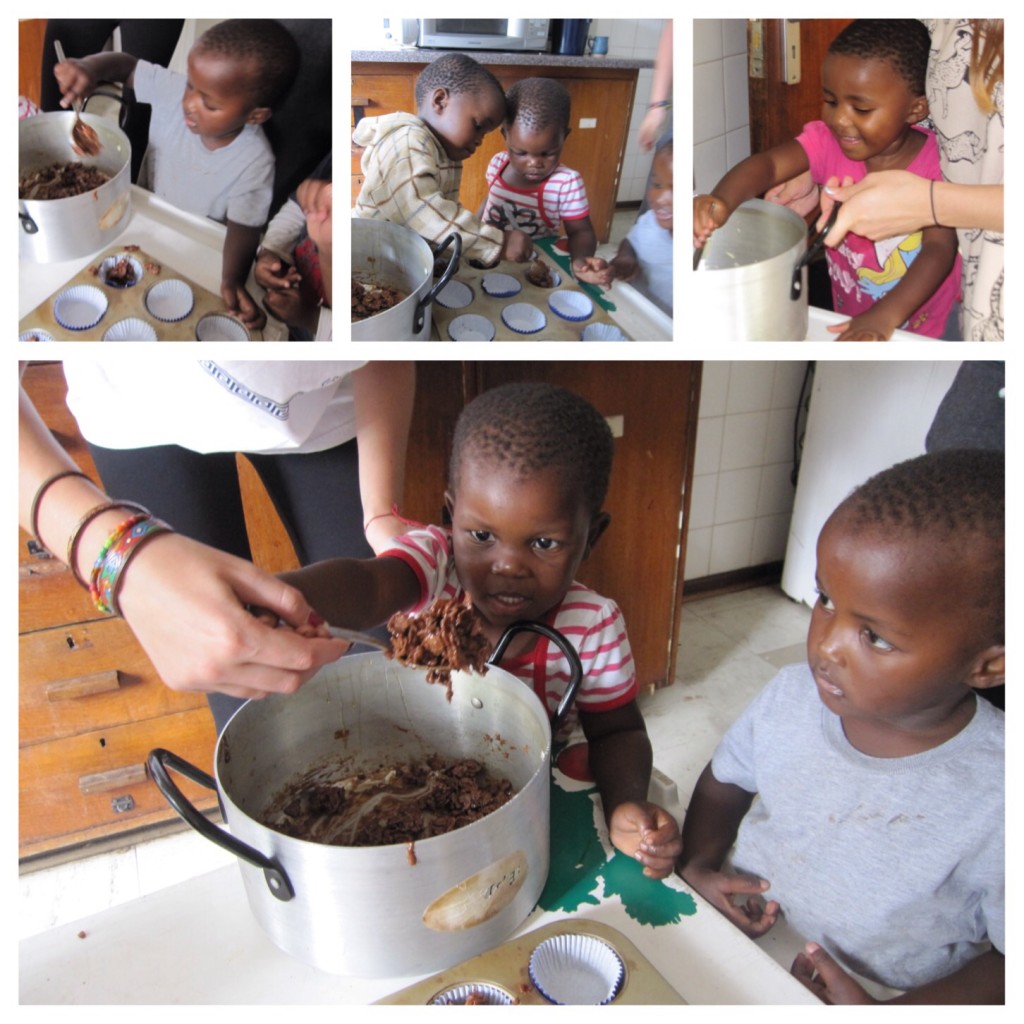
<point>91,705</point>
<point>602,100</point>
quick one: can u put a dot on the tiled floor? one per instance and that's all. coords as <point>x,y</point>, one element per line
<point>730,646</point>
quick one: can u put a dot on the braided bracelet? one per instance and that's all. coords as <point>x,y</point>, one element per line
<point>43,488</point>
<point>109,566</point>
<point>76,533</point>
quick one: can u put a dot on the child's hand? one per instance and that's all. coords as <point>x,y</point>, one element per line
<point>516,246</point>
<point>271,272</point>
<point>754,917</point>
<point>819,973</point>
<point>869,326</point>
<point>625,266</point>
<point>647,833</point>
<point>240,304</point>
<point>75,80</point>
<point>593,270</point>
<point>291,306</point>
<point>709,213</point>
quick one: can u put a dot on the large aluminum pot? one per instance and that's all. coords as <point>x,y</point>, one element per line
<point>385,910</point>
<point>389,254</point>
<point>747,271</point>
<point>52,230</point>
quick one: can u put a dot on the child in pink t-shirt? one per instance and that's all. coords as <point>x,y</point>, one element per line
<point>874,97</point>
<point>530,188</point>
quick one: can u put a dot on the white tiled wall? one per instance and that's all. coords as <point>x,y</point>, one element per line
<point>742,493</point>
<point>721,118</point>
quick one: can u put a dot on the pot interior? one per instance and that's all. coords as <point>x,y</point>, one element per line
<point>367,710</point>
<point>388,254</point>
<point>46,139</point>
<point>757,231</point>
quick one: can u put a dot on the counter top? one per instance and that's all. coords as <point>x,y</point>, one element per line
<point>412,55</point>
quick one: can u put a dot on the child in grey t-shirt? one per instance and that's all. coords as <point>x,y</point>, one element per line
<point>864,790</point>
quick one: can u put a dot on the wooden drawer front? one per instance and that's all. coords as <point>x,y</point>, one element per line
<point>89,676</point>
<point>48,594</point>
<point>83,787</point>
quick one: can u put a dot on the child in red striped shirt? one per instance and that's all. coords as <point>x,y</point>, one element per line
<point>530,188</point>
<point>529,472</point>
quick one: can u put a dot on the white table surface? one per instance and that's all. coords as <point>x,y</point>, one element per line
<point>191,245</point>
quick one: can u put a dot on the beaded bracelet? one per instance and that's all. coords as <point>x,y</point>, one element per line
<point>76,533</point>
<point>43,488</point>
<point>108,569</point>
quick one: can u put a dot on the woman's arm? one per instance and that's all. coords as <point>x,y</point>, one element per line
<point>888,203</point>
<point>186,603</point>
<point>384,394</point>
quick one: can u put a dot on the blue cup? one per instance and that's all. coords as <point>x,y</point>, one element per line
<point>598,46</point>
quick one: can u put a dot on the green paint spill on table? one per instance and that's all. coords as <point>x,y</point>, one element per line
<point>580,869</point>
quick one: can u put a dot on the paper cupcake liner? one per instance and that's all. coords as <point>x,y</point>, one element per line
<point>523,318</point>
<point>35,335</point>
<point>473,994</point>
<point>602,332</point>
<point>218,327</point>
<point>471,327</point>
<point>576,970</point>
<point>130,329</point>
<point>571,305</point>
<point>170,300</point>
<point>455,295</point>
<point>111,262</point>
<point>501,286</point>
<point>80,307</point>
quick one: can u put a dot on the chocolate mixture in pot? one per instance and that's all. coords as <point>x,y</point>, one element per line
<point>444,637</point>
<point>399,803</point>
<point>369,300</point>
<point>58,181</point>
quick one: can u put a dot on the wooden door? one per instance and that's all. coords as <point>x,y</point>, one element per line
<point>639,562</point>
<point>778,111</point>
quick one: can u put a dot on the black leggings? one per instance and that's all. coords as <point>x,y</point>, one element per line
<point>316,495</point>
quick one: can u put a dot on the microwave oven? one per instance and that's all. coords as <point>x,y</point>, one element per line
<point>469,33</point>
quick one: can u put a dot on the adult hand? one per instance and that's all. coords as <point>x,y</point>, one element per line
<point>187,604</point>
<point>754,917</point>
<point>647,833</point>
<point>819,973</point>
<point>799,194</point>
<point>884,204</point>
<point>650,127</point>
<point>315,199</point>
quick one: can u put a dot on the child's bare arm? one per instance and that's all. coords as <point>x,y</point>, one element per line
<point>357,593</point>
<point>982,981</point>
<point>582,240</point>
<point>919,283</point>
<point>709,830</point>
<point>77,78</point>
<point>620,761</point>
<point>240,245</point>
<point>747,180</point>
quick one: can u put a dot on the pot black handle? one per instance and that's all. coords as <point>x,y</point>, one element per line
<point>812,250</point>
<point>575,668</point>
<point>454,239</point>
<point>28,225</point>
<point>158,762</point>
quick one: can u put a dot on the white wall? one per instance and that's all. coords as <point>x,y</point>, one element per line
<point>742,494</point>
<point>721,112</point>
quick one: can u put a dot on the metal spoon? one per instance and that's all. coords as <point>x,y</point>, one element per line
<point>84,140</point>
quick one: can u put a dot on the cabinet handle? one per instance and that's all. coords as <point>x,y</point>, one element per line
<point>116,778</point>
<point>84,686</point>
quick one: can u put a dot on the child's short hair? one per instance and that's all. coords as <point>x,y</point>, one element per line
<point>538,103</point>
<point>530,427</point>
<point>901,42</point>
<point>950,496</point>
<point>457,73</point>
<point>263,41</point>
